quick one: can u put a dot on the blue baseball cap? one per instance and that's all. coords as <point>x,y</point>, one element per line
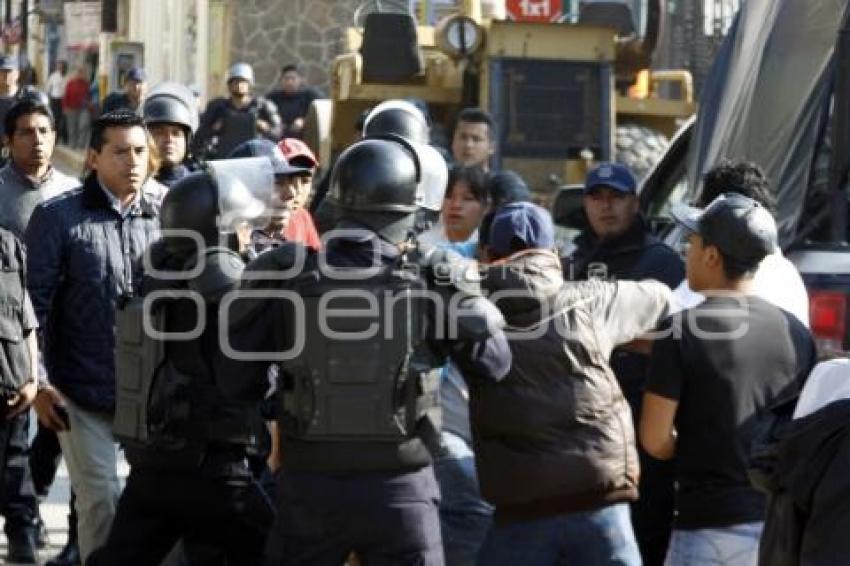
<point>520,226</point>
<point>137,74</point>
<point>267,148</point>
<point>613,175</point>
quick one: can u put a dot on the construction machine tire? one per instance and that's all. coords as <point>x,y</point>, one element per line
<point>317,129</point>
<point>639,148</point>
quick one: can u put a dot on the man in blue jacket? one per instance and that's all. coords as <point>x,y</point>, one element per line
<point>88,245</point>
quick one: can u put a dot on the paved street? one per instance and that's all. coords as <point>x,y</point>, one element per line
<point>54,511</point>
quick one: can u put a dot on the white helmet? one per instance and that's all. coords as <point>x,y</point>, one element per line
<point>241,71</point>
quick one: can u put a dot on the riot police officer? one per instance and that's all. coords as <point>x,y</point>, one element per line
<point>358,333</point>
<point>185,442</point>
<point>397,117</point>
<point>171,115</point>
<point>18,354</point>
<point>227,122</point>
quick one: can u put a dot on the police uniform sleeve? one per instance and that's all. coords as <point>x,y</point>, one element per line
<point>479,346</point>
<point>208,118</point>
<point>254,320</point>
<point>269,113</point>
<point>666,368</point>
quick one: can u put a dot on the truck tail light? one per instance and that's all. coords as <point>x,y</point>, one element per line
<point>828,318</point>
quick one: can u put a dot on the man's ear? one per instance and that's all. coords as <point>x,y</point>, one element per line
<point>711,257</point>
<point>90,159</point>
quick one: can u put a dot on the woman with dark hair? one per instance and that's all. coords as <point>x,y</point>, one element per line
<point>464,205</point>
<point>464,517</point>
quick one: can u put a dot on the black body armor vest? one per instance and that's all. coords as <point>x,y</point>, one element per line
<point>365,373</point>
<point>169,411</point>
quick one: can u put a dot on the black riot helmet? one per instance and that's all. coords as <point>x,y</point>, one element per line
<point>30,92</point>
<point>191,206</point>
<point>382,182</point>
<point>398,117</point>
<point>204,208</point>
<point>172,103</point>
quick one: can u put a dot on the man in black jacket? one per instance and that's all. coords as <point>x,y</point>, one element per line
<point>806,474</point>
<point>18,362</point>
<point>617,245</point>
<point>88,246</point>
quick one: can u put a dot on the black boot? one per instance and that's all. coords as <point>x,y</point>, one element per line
<point>68,556</point>
<point>42,539</point>
<point>22,546</point>
<point>70,553</point>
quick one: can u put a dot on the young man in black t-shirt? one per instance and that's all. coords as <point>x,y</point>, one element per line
<point>714,371</point>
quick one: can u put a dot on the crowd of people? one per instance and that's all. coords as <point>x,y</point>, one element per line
<point>199,298</point>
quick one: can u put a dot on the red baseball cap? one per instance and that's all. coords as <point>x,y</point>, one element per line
<point>293,148</point>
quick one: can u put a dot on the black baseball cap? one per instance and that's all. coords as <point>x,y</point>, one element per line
<point>740,227</point>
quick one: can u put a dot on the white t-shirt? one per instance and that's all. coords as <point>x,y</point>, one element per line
<point>776,280</point>
<point>56,85</point>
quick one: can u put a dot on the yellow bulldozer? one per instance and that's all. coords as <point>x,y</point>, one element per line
<point>564,95</point>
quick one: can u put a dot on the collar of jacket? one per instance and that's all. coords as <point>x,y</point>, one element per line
<point>521,282</point>
<point>634,238</point>
<point>94,198</point>
<point>359,247</point>
<point>30,181</point>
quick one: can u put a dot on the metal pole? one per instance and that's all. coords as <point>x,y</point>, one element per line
<point>25,10</point>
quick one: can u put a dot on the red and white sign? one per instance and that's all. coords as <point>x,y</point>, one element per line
<point>546,11</point>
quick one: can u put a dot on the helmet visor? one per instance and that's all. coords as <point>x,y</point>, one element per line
<point>245,189</point>
<point>433,177</point>
<point>180,97</point>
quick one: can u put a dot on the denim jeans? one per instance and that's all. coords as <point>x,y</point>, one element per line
<point>736,545</point>
<point>590,538</point>
<point>91,456</point>
<point>465,518</point>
